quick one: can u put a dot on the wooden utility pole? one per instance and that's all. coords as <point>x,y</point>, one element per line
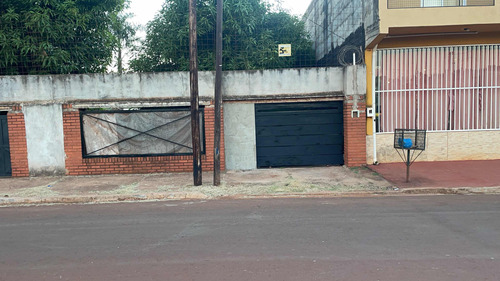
<point>218,93</point>
<point>193,78</point>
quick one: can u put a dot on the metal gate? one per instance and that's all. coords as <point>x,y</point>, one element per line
<point>299,134</point>
<point>449,88</point>
<point>5,166</point>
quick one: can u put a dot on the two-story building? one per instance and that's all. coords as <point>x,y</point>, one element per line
<point>431,64</point>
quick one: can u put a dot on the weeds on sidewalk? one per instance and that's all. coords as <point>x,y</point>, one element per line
<point>37,192</point>
<point>123,189</point>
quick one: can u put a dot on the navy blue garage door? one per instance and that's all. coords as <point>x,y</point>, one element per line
<point>299,134</point>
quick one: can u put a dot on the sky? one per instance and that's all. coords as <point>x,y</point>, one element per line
<point>145,10</point>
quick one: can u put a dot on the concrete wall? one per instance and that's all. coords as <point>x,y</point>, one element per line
<point>331,22</point>
<point>64,88</point>
<point>41,99</point>
<point>168,86</point>
<point>239,136</point>
<point>442,146</point>
<point>283,83</point>
<point>371,20</point>
<point>45,139</point>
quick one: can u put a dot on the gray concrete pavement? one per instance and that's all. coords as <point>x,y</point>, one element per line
<point>319,181</point>
<point>390,238</point>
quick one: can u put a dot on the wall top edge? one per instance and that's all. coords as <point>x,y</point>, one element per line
<point>285,96</point>
<point>165,73</point>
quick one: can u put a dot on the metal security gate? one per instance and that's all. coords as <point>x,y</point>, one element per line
<point>299,134</point>
<point>5,166</point>
<point>449,88</point>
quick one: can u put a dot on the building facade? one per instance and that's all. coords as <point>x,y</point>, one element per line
<point>92,124</point>
<point>431,65</point>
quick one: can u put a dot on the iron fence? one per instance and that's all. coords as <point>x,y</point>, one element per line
<point>438,88</point>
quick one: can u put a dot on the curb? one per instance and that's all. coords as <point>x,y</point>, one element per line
<point>96,199</point>
<point>451,190</point>
<point>99,199</point>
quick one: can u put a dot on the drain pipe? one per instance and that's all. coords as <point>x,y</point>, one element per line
<point>374,107</point>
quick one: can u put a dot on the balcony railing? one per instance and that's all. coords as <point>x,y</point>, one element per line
<point>399,4</point>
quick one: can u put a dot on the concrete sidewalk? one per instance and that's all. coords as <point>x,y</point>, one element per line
<point>469,177</point>
<point>321,181</point>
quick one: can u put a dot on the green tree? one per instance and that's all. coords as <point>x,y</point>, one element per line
<point>124,33</point>
<point>56,36</point>
<point>252,32</point>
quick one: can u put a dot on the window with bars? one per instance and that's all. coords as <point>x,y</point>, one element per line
<point>398,4</point>
<point>438,88</point>
<point>146,132</point>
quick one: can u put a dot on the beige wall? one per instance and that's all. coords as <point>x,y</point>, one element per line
<point>436,16</point>
<point>442,146</point>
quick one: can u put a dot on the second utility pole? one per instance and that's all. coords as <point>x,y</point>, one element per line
<point>218,93</point>
<point>193,78</point>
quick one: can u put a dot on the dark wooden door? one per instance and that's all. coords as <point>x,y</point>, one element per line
<point>299,134</point>
<point>5,166</point>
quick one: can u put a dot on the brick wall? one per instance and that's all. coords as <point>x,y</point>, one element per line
<point>354,134</point>
<point>17,143</point>
<point>77,165</point>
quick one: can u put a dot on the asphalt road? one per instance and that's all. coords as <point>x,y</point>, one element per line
<point>390,238</point>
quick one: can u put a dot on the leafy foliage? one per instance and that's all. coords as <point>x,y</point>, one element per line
<point>124,33</point>
<point>56,36</point>
<point>252,32</point>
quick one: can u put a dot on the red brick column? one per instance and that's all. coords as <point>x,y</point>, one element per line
<point>208,164</point>
<point>72,141</point>
<point>17,143</point>
<point>77,165</point>
<point>354,134</point>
